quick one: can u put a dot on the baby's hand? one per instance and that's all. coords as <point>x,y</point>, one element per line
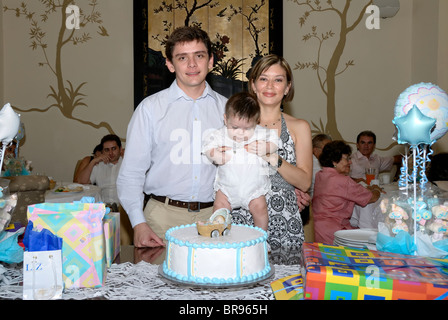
<point>261,147</point>
<point>219,155</point>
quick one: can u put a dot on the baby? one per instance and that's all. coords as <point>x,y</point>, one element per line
<point>242,178</point>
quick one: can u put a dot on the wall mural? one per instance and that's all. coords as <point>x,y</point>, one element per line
<point>73,30</point>
<point>327,72</point>
<point>241,31</point>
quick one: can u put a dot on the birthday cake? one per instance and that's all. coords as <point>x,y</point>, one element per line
<point>237,256</point>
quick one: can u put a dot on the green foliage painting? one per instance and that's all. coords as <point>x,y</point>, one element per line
<point>65,95</point>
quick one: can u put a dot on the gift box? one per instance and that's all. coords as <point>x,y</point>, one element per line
<point>346,273</point>
<point>288,288</point>
<point>111,223</point>
<point>80,226</point>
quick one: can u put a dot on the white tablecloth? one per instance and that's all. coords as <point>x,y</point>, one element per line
<point>367,217</point>
<point>68,197</point>
<point>142,281</point>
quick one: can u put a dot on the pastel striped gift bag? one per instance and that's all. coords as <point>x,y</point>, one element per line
<point>80,225</point>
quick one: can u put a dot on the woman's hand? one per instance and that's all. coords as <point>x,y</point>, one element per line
<point>303,199</point>
<point>376,192</point>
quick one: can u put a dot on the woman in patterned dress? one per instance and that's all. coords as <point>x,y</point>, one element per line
<point>272,82</point>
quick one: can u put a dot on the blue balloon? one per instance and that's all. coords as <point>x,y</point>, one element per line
<point>432,102</point>
<point>414,128</point>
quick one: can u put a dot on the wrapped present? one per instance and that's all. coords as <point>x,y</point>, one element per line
<point>111,224</point>
<point>80,226</point>
<point>345,273</point>
<point>288,288</point>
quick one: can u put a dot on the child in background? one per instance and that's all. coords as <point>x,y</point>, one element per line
<point>242,178</point>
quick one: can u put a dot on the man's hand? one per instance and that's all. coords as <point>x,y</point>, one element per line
<point>145,237</point>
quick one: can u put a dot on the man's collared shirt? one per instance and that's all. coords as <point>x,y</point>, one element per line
<point>361,162</point>
<point>163,149</point>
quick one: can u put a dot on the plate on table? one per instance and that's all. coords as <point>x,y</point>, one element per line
<point>358,238</point>
<point>70,189</point>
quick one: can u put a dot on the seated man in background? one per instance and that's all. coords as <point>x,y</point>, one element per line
<point>103,171</point>
<point>364,157</point>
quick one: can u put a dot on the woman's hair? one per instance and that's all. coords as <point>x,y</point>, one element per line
<point>333,151</point>
<point>98,148</point>
<point>244,106</point>
<point>265,63</point>
<point>187,34</point>
<point>438,168</point>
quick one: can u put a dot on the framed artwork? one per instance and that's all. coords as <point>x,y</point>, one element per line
<point>241,31</point>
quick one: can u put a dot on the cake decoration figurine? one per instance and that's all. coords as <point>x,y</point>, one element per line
<point>398,214</point>
<point>219,224</point>
<point>422,214</point>
<point>439,226</point>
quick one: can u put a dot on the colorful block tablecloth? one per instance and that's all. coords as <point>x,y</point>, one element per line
<point>345,273</point>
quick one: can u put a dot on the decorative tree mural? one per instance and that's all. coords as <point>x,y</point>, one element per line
<point>195,12</point>
<point>328,72</point>
<point>66,95</point>
<point>184,6</point>
<point>253,27</point>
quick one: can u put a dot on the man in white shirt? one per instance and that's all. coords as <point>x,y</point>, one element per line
<point>103,170</point>
<point>163,147</point>
<point>364,157</point>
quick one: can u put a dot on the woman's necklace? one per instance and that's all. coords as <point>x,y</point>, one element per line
<point>273,123</point>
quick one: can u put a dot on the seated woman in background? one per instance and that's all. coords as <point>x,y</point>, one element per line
<point>335,193</point>
<point>438,171</point>
<point>84,162</point>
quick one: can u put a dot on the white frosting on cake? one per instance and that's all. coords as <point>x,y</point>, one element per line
<point>238,257</point>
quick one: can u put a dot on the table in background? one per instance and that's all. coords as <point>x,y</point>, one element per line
<point>68,197</point>
<point>367,217</point>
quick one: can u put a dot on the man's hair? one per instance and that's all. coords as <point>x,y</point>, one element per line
<point>111,137</point>
<point>187,34</point>
<point>244,106</point>
<point>317,139</point>
<point>366,133</point>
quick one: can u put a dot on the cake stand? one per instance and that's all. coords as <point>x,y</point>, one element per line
<point>230,286</point>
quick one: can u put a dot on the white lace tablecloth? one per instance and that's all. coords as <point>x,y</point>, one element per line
<point>141,281</point>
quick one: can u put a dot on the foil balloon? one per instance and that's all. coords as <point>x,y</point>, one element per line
<point>414,128</point>
<point>9,124</point>
<point>430,100</point>
<point>20,135</point>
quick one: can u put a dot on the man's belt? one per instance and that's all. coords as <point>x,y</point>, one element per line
<point>191,206</point>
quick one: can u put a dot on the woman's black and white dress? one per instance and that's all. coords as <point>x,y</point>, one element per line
<point>285,224</point>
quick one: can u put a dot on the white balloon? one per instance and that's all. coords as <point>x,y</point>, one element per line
<point>9,124</point>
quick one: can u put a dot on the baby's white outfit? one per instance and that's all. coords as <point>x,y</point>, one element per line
<point>245,176</point>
